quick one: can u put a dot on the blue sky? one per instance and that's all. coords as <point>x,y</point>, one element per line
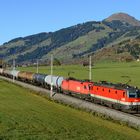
<point>19,18</point>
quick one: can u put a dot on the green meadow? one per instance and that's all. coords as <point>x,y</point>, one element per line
<point>112,72</point>
<point>25,115</point>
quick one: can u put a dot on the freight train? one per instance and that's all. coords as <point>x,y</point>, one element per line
<point>118,96</point>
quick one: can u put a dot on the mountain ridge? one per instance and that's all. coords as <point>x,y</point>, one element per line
<point>72,43</point>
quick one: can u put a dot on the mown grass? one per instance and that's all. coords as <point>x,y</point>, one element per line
<point>24,115</point>
<point>112,72</point>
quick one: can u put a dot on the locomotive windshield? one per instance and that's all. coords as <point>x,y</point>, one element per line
<point>134,93</point>
<point>138,93</point>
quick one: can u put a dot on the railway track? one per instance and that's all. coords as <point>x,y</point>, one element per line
<point>130,119</point>
<point>138,115</point>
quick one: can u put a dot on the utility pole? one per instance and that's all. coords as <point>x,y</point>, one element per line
<point>13,70</point>
<point>37,66</point>
<point>51,92</point>
<point>90,68</point>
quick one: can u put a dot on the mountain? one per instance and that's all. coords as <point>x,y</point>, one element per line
<point>77,42</point>
<point>123,17</point>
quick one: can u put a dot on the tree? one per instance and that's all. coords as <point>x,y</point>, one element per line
<point>56,62</point>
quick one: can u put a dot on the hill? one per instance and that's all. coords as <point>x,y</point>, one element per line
<point>73,43</point>
<point>123,17</point>
<point>127,50</point>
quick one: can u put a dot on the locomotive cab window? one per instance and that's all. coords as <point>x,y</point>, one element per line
<point>138,93</point>
<point>132,94</point>
<point>85,87</point>
<point>123,94</point>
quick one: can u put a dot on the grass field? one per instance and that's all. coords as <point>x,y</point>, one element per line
<point>112,72</point>
<point>24,115</point>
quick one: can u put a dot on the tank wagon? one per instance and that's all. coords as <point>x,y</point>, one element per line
<point>7,73</point>
<point>1,71</point>
<point>56,81</point>
<point>26,76</point>
<point>39,79</point>
<point>15,73</point>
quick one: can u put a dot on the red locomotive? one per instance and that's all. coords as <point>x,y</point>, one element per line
<point>73,86</point>
<point>119,96</point>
